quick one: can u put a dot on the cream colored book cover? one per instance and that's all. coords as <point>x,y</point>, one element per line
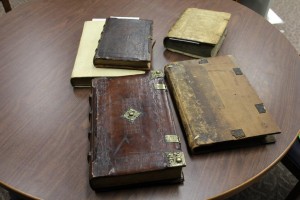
<point>198,32</point>
<point>200,25</point>
<point>84,69</point>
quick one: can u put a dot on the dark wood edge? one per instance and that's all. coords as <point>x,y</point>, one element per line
<point>6,5</point>
<point>246,184</point>
<point>18,192</point>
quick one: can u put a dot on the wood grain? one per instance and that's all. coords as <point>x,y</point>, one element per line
<point>217,107</point>
<point>44,121</point>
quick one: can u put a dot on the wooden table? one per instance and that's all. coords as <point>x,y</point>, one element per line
<point>44,121</point>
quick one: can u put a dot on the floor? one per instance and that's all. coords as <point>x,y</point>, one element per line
<point>288,11</point>
<point>276,184</point>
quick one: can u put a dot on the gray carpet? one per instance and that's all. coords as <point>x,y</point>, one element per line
<point>288,10</point>
<point>277,183</point>
<point>3,194</point>
<point>14,4</point>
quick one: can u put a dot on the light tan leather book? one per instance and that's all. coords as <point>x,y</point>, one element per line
<point>217,106</point>
<point>198,32</point>
<point>84,70</point>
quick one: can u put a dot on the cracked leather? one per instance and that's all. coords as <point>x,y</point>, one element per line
<point>129,147</point>
<point>217,105</point>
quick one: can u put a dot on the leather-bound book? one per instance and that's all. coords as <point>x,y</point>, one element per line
<point>198,33</point>
<point>84,70</point>
<point>133,139</point>
<point>125,43</point>
<point>218,107</point>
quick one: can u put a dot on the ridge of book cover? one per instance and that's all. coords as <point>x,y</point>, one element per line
<point>125,43</point>
<point>217,106</point>
<point>84,70</point>
<point>198,32</point>
<point>133,138</point>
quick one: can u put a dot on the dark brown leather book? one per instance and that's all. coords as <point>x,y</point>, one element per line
<point>133,138</point>
<point>84,70</point>
<point>217,106</point>
<point>198,33</point>
<point>125,43</point>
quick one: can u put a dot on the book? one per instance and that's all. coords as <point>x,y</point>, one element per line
<point>125,43</point>
<point>133,139</point>
<point>198,33</point>
<point>218,107</point>
<point>83,70</point>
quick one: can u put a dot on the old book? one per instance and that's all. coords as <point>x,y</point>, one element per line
<point>133,138</point>
<point>125,43</point>
<point>198,33</point>
<point>217,105</point>
<point>84,71</point>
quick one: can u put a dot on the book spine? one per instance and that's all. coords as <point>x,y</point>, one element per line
<point>90,156</point>
<point>96,57</point>
<point>177,97</point>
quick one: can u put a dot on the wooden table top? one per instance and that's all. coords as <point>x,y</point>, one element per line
<point>44,121</point>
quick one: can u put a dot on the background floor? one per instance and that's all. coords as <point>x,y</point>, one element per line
<point>276,184</point>
<point>288,11</point>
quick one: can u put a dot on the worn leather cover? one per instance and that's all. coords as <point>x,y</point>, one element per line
<point>84,70</point>
<point>198,32</point>
<point>129,122</point>
<point>125,43</point>
<point>217,105</point>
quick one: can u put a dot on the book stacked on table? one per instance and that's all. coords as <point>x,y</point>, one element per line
<point>133,139</point>
<point>125,43</point>
<point>198,33</point>
<point>113,61</point>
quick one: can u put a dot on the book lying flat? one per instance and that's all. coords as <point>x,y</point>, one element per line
<point>198,33</point>
<point>84,70</point>
<point>217,106</point>
<point>133,138</point>
<point>125,43</point>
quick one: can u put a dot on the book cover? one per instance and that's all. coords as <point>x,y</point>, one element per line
<point>198,32</point>
<point>125,43</point>
<point>84,70</point>
<point>217,106</point>
<point>133,139</point>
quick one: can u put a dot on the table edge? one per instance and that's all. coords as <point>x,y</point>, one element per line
<point>247,183</point>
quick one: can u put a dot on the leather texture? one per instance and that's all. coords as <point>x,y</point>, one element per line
<point>125,43</point>
<point>134,149</point>
<point>217,105</point>
<point>198,32</point>
<point>84,70</point>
